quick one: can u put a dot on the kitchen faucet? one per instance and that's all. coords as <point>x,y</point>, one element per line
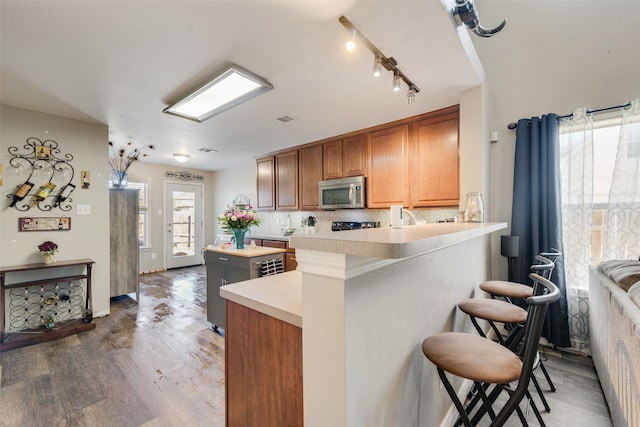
<point>411,216</point>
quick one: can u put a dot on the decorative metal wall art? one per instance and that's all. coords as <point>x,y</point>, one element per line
<point>184,176</point>
<point>48,184</point>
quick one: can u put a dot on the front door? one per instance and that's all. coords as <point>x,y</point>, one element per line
<point>184,224</point>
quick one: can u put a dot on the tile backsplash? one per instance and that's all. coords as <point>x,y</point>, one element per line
<point>274,221</point>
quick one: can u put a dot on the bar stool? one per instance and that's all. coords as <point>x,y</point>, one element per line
<point>486,362</point>
<point>513,290</point>
<point>512,317</point>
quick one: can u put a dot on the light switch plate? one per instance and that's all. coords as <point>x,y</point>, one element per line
<point>83,209</point>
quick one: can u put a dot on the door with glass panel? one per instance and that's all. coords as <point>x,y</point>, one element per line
<point>184,225</point>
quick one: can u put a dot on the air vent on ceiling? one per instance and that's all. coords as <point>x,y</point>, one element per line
<point>284,119</point>
<point>207,150</point>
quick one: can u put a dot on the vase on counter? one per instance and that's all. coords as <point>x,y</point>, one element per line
<point>238,234</point>
<point>474,208</point>
<point>120,179</point>
<point>49,258</point>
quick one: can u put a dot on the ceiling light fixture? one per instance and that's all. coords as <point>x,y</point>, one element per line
<point>228,89</point>
<point>396,82</point>
<point>389,63</point>
<point>181,158</point>
<point>377,67</point>
<point>411,96</point>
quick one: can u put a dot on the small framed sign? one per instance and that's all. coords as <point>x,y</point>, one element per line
<point>62,223</point>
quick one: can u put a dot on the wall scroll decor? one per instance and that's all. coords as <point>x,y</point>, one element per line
<point>62,223</point>
<point>49,175</point>
<point>184,176</point>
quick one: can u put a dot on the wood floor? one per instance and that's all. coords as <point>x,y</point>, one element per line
<point>159,363</point>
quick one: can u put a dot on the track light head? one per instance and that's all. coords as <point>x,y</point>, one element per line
<point>396,82</point>
<point>411,96</point>
<point>377,67</point>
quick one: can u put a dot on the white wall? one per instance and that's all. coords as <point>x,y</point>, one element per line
<point>89,235</point>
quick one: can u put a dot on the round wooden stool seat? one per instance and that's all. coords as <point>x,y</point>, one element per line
<point>493,310</point>
<point>503,288</point>
<point>472,357</point>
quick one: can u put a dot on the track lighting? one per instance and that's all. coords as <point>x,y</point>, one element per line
<point>396,82</point>
<point>411,96</point>
<point>377,67</point>
<point>380,60</point>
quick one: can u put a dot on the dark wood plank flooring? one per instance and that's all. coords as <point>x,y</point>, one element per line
<point>159,363</point>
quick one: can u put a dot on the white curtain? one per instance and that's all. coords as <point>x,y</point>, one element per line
<point>594,232</point>
<point>623,223</point>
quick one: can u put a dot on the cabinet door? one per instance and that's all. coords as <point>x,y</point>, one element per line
<point>310,160</point>
<point>434,162</point>
<point>290,261</point>
<point>287,181</point>
<point>387,181</point>
<point>354,156</point>
<point>332,159</point>
<point>265,183</point>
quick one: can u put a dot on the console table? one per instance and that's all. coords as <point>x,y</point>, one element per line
<point>41,302</point>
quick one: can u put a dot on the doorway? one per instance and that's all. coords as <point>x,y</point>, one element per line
<point>184,224</point>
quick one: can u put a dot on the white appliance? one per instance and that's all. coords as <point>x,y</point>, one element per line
<point>342,193</point>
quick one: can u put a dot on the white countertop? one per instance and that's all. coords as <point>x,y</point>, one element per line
<point>390,243</point>
<point>278,296</point>
<point>246,252</point>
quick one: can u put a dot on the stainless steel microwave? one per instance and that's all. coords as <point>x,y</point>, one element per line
<point>342,193</point>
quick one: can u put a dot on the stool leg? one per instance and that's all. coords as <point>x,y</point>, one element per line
<point>539,390</point>
<point>454,398</point>
<point>546,375</point>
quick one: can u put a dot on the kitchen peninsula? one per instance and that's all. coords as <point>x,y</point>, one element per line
<point>368,299</point>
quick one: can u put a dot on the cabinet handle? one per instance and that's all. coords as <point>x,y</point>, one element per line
<point>223,258</point>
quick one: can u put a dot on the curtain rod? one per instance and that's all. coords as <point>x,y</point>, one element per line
<point>599,110</point>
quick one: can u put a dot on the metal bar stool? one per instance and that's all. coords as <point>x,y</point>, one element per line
<point>512,290</point>
<point>486,362</point>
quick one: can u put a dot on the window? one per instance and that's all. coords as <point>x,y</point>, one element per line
<point>143,210</point>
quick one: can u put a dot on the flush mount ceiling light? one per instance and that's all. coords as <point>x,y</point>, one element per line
<point>234,86</point>
<point>380,60</point>
<point>181,158</point>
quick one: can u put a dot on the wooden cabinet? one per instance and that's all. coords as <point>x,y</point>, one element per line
<point>124,254</point>
<point>413,162</point>
<point>332,159</point>
<point>310,170</point>
<point>290,262</point>
<point>387,177</point>
<point>263,370</point>
<point>354,156</point>
<point>265,186</point>
<point>287,180</point>
<point>345,157</point>
<point>434,161</point>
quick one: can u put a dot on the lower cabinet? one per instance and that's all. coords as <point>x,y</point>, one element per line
<point>224,268</point>
<point>263,370</point>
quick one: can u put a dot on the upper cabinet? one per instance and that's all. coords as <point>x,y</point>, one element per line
<point>287,180</point>
<point>413,162</point>
<point>310,170</point>
<point>265,186</point>
<point>434,161</point>
<point>387,178</point>
<point>345,157</point>
<point>332,159</point>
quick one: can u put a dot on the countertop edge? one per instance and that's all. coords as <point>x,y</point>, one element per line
<point>278,296</point>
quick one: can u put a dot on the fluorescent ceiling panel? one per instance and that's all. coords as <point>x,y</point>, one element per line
<point>234,86</point>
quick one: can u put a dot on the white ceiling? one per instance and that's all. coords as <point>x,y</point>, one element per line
<point>120,63</point>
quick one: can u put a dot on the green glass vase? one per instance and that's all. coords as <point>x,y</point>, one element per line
<point>239,236</point>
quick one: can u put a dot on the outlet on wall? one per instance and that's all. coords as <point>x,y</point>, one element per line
<point>83,209</point>
<point>153,255</point>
